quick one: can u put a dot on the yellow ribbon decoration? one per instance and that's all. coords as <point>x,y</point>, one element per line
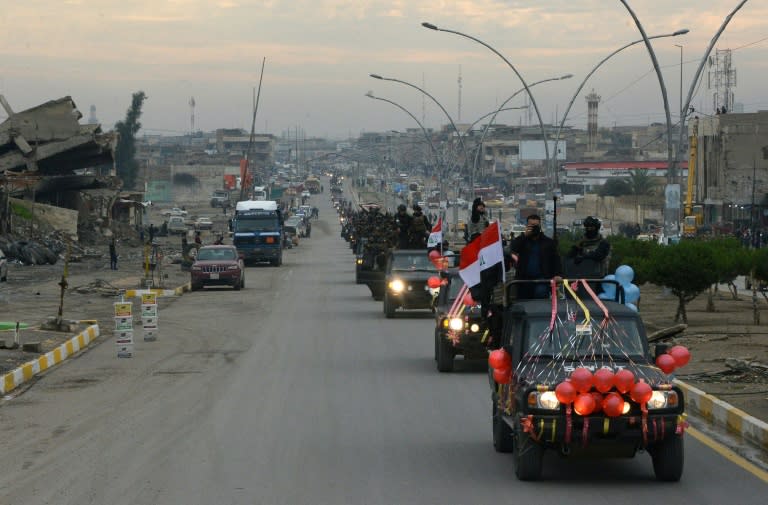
<point>567,285</point>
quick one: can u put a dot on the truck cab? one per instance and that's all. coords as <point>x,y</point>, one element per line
<point>257,231</point>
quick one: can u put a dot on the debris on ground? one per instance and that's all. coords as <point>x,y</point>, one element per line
<point>100,286</point>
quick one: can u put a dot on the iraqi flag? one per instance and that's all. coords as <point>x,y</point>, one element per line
<point>481,264</point>
<point>436,235</point>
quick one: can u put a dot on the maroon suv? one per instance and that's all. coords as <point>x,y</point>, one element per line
<point>217,265</point>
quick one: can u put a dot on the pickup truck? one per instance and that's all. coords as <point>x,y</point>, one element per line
<point>220,198</point>
<point>177,225</point>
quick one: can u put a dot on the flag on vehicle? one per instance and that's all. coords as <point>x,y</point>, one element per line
<point>481,264</point>
<point>436,235</point>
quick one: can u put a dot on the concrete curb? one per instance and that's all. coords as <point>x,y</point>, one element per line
<point>724,415</point>
<point>133,293</point>
<point>28,370</point>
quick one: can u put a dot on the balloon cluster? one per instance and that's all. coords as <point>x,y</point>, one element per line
<point>608,390</point>
<point>676,357</point>
<point>501,363</point>
<point>624,275</point>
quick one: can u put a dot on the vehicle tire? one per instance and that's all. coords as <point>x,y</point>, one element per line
<point>236,286</point>
<point>445,354</point>
<point>278,261</point>
<point>503,437</point>
<point>668,458</point>
<point>242,282</point>
<point>389,308</point>
<point>195,287</point>
<point>529,457</point>
<point>437,340</point>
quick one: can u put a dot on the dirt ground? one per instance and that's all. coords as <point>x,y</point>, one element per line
<point>720,342</point>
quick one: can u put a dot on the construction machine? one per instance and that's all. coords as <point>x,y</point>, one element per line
<point>693,214</point>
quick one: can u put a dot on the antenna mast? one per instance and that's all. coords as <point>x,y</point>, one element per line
<point>192,116</point>
<point>459,81</point>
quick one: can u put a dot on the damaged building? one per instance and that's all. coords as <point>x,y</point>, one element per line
<point>49,161</point>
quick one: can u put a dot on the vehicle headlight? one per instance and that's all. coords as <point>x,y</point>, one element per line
<point>456,324</point>
<point>359,261</point>
<point>397,286</point>
<point>233,267</point>
<point>663,400</point>
<point>474,327</point>
<point>546,400</point>
<point>196,269</point>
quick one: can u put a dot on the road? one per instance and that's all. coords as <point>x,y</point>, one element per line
<point>297,390</point>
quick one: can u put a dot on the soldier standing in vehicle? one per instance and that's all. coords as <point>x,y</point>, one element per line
<point>403,224</point>
<point>419,229</point>
<point>478,220</point>
<point>593,251</point>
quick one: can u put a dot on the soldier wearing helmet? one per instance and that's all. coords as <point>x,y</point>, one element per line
<point>403,224</point>
<point>592,248</point>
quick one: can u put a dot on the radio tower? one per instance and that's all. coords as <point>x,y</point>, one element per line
<point>459,81</point>
<point>721,77</point>
<point>192,115</point>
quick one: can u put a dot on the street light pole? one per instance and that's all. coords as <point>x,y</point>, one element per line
<point>591,72</point>
<point>455,129</point>
<point>681,80</point>
<point>525,85</point>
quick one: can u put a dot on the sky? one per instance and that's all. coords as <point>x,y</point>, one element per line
<point>318,56</point>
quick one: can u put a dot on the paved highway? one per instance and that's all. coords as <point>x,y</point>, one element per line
<point>297,390</point>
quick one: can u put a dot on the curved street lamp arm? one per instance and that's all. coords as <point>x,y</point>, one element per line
<point>426,135</point>
<point>670,168</point>
<point>584,82</point>
<point>525,85</point>
<point>692,89</point>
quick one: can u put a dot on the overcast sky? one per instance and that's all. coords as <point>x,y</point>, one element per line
<point>319,55</point>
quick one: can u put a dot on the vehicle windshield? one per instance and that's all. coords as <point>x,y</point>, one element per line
<point>410,262</point>
<point>620,338</point>
<point>251,224</point>
<point>216,254</point>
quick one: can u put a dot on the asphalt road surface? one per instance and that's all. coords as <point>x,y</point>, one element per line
<point>297,390</point>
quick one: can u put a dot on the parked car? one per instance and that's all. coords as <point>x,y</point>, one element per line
<point>203,223</point>
<point>217,265</point>
<point>175,211</point>
<point>3,267</point>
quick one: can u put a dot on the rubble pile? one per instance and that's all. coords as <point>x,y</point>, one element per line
<point>47,250</point>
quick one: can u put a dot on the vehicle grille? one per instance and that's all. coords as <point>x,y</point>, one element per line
<point>209,269</point>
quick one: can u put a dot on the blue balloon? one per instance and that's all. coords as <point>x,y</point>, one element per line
<point>632,306</point>
<point>609,288</point>
<point>625,275</point>
<point>631,294</point>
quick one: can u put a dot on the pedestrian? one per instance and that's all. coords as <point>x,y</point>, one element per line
<point>198,239</point>
<point>478,221</point>
<point>113,254</point>
<point>219,240</point>
<point>537,259</point>
<point>152,231</point>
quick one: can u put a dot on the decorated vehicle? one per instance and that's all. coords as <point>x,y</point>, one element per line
<point>217,265</point>
<point>460,329</point>
<point>574,374</point>
<point>405,281</point>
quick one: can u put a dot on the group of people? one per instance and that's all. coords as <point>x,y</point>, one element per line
<point>412,229</point>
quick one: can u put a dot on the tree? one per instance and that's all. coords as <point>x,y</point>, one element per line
<point>640,183</point>
<point>731,260</point>
<point>687,269</point>
<point>125,153</point>
<point>614,187</point>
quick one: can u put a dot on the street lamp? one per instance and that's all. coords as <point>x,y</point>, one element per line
<point>528,91</point>
<point>424,130</point>
<point>495,113</point>
<point>681,79</point>
<point>461,139</point>
<point>581,86</point>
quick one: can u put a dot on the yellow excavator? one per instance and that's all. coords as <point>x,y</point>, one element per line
<point>693,214</point>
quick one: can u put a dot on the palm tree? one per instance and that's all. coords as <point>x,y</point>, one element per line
<point>640,183</point>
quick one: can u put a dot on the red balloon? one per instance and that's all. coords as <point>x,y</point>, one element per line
<point>582,379</point>
<point>584,404</point>
<point>565,392</point>
<point>623,380</point>
<point>641,393</point>
<point>603,379</point>
<point>434,254</point>
<point>468,300</point>
<point>598,402</point>
<point>681,354</point>
<point>502,376</point>
<point>613,405</point>
<point>433,282</point>
<point>499,359</point>
<point>666,363</point>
